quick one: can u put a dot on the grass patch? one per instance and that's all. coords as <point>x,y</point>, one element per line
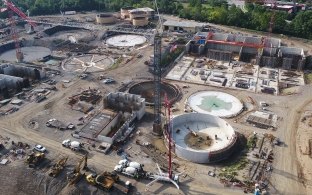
<point>308,78</point>
<point>231,171</point>
<point>116,64</point>
<point>252,141</point>
<point>205,5</point>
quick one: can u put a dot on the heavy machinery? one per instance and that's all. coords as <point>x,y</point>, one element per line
<point>57,167</point>
<point>74,176</point>
<point>104,180</point>
<point>34,159</point>
<point>107,181</point>
<point>130,169</point>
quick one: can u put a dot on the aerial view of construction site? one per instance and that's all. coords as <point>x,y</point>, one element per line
<point>154,97</point>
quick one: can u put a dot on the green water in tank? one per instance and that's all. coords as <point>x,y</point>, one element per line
<point>210,103</point>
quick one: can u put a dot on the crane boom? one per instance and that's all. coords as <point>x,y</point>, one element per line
<point>12,7</point>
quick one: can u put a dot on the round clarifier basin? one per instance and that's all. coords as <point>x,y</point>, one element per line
<point>126,40</point>
<point>215,103</point>
<point>146,90</point>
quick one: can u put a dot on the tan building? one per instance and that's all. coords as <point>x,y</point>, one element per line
<point>186,26</point>
<point>131,12</point>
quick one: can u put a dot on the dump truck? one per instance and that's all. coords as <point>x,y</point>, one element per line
<point>57,167</point>
<point>107,181</point>
<point>34,159</point>
<point>75,175</point>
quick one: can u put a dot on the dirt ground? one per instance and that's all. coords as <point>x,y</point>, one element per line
<point>291,169</point>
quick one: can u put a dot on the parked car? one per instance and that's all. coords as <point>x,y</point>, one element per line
<point>108,81</point>
<point>40,148</point>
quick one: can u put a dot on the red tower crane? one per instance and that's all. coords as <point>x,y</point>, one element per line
<point>168,132</point>
<point>11,8</point>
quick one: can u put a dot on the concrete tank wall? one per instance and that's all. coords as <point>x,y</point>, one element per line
<point>105,19</point>
<point>137,14</point>
<point>141,21</point>
<point>124,12</point>
<point>204,156</point>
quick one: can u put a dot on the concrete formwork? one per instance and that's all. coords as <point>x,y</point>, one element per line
<point>271,55</point>
<point>219,55</point>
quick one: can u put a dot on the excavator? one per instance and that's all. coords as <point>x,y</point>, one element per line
<point>57,167</point>
<point>107,181</point>
<point>34,159</point>
<point>74,176</point>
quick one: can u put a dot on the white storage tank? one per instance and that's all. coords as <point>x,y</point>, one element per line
<point>140,21</point>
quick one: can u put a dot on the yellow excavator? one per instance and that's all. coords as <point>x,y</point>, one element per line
<point>74,176</point>
<point>34,159</point>
<point>57,167</point>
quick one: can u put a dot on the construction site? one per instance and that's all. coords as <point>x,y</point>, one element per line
<point>134,102</point>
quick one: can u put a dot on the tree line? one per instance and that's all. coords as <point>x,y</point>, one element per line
<point>253,17</point>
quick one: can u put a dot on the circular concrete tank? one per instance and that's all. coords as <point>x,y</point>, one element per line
<point>88,62</point>
<point>202,138</point>
<point>146,90</point>
<point>31,54</point>
<point>126,40</point>
<point>105,19</point>
<point>124,12</point>
<point>140,21</point>
<point>215,103</point>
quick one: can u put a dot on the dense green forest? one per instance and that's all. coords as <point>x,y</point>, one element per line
<point>216,11</point>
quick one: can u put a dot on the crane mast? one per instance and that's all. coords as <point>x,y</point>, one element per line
<point>157,83</point>
<point>157,126</point>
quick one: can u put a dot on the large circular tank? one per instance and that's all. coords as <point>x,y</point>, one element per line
<point>140,21</point>
<point>31,54</point>
<point>126,40</point>
<point>105,19</point>
<point>124,12</point>
<point>202,138</point>
<point>215,103</point>
<point>146,90</point>
<point>88,62</point>
<point>136,13</point>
